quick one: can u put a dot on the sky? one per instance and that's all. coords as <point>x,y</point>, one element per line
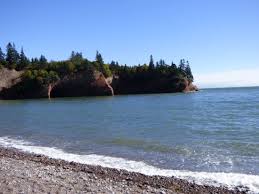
<point>220,38</point>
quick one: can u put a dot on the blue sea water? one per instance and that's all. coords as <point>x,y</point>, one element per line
<point>211,131</point>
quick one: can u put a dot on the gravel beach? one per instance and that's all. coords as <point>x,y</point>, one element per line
<point>28,173</point>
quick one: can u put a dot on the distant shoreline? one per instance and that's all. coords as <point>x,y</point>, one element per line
<point>230,87</point>
<point>59,174</point>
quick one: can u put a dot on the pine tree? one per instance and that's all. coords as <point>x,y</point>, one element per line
<point>161,62</point>
<point>2,58</point>
<point>151,65</point>
<point>23,61</point>
<point>72,55</point>
<point>43,62</point>
<point>12,56</point>
<point>173,65</point>
<point>182,66</point>
<point>99,58</point>
<point>76,58</point>
<point>188,72</point>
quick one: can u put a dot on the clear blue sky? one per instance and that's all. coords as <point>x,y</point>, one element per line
<point>214,35</point>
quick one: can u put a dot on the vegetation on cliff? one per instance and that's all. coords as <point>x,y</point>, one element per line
<point>39,72</point>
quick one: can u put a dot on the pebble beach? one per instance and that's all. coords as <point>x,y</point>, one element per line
<point>29,173</point>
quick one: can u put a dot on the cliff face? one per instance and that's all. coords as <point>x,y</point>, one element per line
<point>159,85</point>
<point>190,87</point>
<point>9,78</point>
<point>81,84</point>
<point>86,83</point>
<point>77,84</point>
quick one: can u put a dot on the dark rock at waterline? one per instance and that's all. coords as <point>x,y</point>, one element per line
<point>159,85</point>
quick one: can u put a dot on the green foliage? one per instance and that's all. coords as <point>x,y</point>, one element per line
<point>40,77</point>
<point>188,72</point>
<point>76,58</point>
<point>62,67</point>
<point>41,72</point>
<point>151,65</point>
<point>106,70</point>
<point>43,62</point>
<point>12,56</point>
<point>99,58</point>
<point>2,57</point>
<point>23,61</point>
<point>185,69</point>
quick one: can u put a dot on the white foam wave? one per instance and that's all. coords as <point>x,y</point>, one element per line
<point>231,180</point>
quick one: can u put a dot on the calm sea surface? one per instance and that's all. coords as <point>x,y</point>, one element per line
<point>214,130</point>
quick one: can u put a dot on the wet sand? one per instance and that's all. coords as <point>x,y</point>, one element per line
<point>22,172</point>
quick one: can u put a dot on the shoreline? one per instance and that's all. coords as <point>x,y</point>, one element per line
<point>97,178</point>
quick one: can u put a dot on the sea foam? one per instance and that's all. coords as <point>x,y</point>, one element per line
<point>230,180</point>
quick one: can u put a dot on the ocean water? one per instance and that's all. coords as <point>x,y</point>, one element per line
<point>209,137</point>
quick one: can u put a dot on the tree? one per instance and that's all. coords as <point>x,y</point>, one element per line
<point>43,62</point>
<point>151,65</point>
<point>23,61</point>
<point>72,55</point>
<point>161,62</point>
<point>12,56</point>
<point>99,58</point>
<point>35,63</point>
<point>113,63</point>
<point>2,58</point>
<point>76,58</point>
<point>106,70</point>
<point>188,72</point>
<point>173,65</point>
<point>182,66</point>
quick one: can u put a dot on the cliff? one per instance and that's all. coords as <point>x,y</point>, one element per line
<point>85,83</point>
<point>9,78</point>
<point>81,84</point>
<point>155,85</point>
<point>189,86</point>
<point>77,84</point>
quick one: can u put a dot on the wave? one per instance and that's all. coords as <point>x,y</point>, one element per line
<point>230,180</point>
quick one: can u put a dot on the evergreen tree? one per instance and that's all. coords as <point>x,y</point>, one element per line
<point>35,62</point>
<point>76,58</point>
<point>188,72</point>
<point>72,55</point>
<point>161,62</point>
<point>104,68</point>
<point>23,61</point>
<point>173,65</point>
<point>12,56</point>
<point>151,65</point>
<point>113,63</point>
<point>182,66</point>
<point>43,62</point>
<point>2,58</point>
<point>99,58</point>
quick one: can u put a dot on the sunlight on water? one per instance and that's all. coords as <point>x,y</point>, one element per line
<point>212,131</point>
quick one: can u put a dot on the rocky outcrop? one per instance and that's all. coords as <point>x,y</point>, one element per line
<point>159,85</point>
<point>77,84</point>
<point>190,87</point>
<point>87,83</point>
<point>81,84</point>
<point>9,78</point>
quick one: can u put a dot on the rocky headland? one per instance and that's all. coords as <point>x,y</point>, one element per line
<point>84,83</point>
